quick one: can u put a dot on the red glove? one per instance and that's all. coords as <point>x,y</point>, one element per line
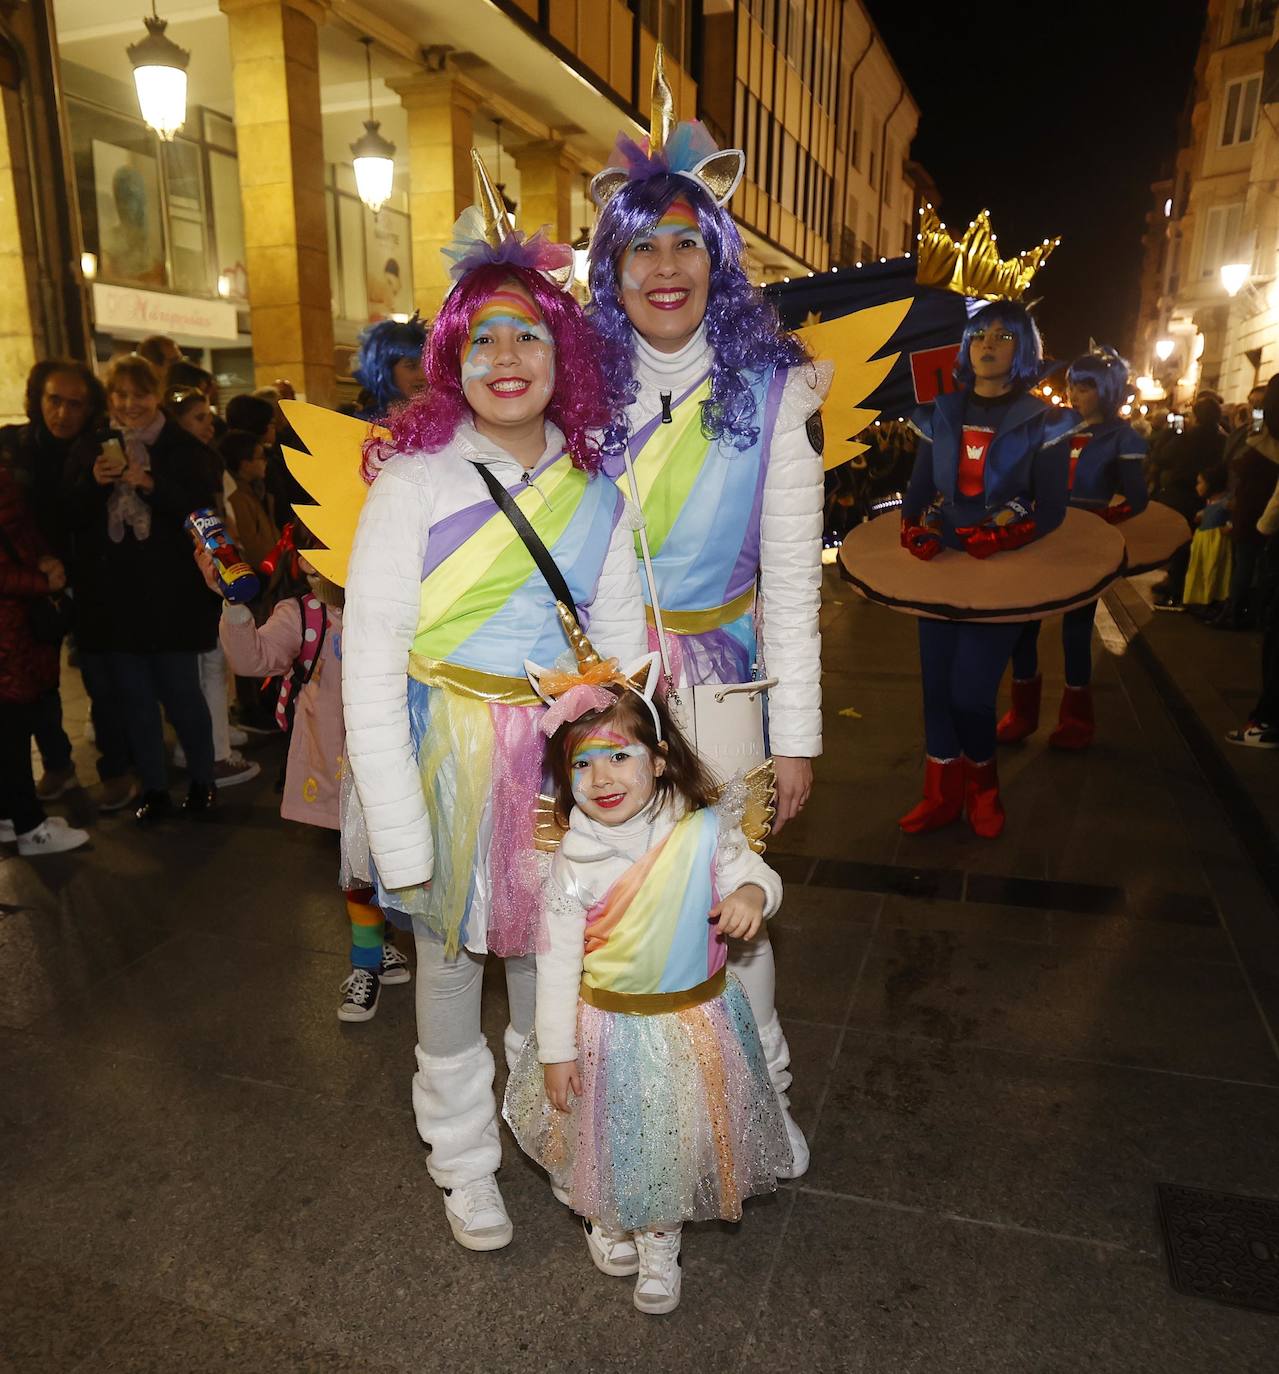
<point>983,540</point>
<point>1116,515</point>
<point>921,541</point>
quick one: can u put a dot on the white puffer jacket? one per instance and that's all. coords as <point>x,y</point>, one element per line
<point>790,536</point>
<point>413,492</point>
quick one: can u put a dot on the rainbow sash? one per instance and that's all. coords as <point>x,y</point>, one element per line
<point>484,605</point>
<point>649,933</point>
<point>701,500</point>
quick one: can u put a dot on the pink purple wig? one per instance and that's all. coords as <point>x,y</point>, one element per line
<point>429,421</point>
<point>743,329</point>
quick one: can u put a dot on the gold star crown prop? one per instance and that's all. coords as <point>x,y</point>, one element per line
<point>972,267</point>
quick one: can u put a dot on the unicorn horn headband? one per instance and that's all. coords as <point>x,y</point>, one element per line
<point>570,695</point>
<point>685,150</point>
<point>483,236</point>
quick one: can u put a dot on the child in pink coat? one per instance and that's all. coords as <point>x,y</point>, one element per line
<point>301,644</point>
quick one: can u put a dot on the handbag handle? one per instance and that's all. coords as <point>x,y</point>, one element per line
<point>532,540</point>
<point>649,575</point>
<point>752,689</point>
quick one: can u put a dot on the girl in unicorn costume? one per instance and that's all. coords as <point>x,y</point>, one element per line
<point>444,602</point>
<point>644,1091</point>
<point>721,421</point>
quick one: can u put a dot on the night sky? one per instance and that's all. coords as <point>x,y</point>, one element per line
<point>1070,112</point>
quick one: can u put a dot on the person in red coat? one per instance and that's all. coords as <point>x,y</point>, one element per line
<point>28,669</point>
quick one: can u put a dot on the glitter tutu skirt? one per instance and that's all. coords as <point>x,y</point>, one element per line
<point>677,1120</point>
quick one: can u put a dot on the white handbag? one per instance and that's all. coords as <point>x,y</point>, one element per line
<point>724,721</point>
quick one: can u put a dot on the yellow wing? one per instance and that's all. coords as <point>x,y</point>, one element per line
<point>330,474</point>
<point>849,342</point>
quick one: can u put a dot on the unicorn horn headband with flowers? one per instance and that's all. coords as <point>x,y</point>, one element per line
<point>483,236</point>
<point>685,150</point>
<point>571,693</point>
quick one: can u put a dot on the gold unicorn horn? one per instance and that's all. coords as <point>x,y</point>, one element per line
<point>497,228</point>
<point>582,647</point>
<point>662,106</point>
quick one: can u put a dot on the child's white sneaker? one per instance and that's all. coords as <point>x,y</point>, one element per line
<point>660,1271</point>
<point>477,1215</point>
<point>53,836</point>
<point>613,1252</point>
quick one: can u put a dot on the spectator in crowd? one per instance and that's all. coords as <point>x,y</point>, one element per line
<point>29,574</point>
<point>389,364</point>
<point>261,416</point>
<point>64,401</point>
<point>1177,466</point>
<point>142,606</point>
<point>161,352</point>
<point>1254,470</point>
<point>1247,425</point>
<point>1208,575</point>
<point>1261,729</point>
<point>183,375</point>
<point>190,409</point>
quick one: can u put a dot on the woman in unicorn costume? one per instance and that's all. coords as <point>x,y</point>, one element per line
<point>721,421</point>
<point>443,604</point>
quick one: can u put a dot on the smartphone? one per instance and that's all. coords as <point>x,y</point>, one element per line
<point>113,452</point>
<point>1258,419</point>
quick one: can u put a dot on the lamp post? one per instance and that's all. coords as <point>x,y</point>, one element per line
<point>1234,276</point>
<point>160,75</point>
<point>373,155</point>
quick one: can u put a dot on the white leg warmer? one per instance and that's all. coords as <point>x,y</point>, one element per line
<point>457,1115</point>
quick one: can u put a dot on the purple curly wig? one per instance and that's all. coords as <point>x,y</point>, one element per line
<point>578,406</point>
<point>743,329</point>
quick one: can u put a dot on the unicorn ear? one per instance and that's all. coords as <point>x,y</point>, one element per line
<point>534,674</point>
<point>719,174</point>
<point>561,276</point>
<point>644,674</point>
<point>606,184</point>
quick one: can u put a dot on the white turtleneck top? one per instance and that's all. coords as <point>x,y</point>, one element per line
<point>790,534</point>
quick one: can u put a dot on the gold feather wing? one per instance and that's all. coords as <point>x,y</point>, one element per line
<point>850,343</point>
<point>330,474</point>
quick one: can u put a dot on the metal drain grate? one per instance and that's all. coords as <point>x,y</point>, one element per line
<point>1222,1246</point>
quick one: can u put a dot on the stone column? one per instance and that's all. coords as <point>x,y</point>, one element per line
<point>275,61</point>
<point>17,337</point>
<point>546,187</point>
<point>441,106</point>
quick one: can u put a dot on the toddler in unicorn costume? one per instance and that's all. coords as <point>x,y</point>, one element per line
<point>644,1091</point>
<point>721,420</point>
<point>444,602</point>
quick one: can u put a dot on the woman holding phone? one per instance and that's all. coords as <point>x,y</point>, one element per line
<point>143,612</point>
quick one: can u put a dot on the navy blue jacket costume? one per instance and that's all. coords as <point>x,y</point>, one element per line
<point>1110,463</point>
<point>1025,462</point>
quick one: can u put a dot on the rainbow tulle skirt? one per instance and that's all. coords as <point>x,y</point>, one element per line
<point>677,1120</point>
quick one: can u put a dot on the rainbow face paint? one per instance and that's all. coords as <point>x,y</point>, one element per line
<point>612,777</point>
<point>506,308</point>
<point>679,222</point>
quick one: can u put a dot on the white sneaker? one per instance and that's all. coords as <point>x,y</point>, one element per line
<point>236,737</point>
<point>660,1271</point>
<point>613,1252</point>
<point>395,966</point>
<point>7,833</point>
<point>53,836</point>
<point>798,1145</point>
<point>477,1215</point>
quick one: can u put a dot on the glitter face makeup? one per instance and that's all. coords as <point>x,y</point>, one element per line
<point>664,277</point>
<point>613,776</point>
<point>508,363</point>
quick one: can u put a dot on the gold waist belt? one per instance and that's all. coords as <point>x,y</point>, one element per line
<point>471,682</point>
<point>698,622</point>
<point>652,1003</point>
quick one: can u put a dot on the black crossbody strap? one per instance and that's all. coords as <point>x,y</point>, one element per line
<point>532,541</point>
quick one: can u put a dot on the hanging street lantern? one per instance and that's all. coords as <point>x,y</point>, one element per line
<point>373,155</point>
<point>160,74</point>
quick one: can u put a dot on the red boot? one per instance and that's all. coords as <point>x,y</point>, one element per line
<point>1022,718</point>
<point>1075,725</point>
<point>943,797</point>
<point>981,799</point>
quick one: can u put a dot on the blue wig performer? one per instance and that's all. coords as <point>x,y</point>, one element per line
<point>389,364</point>
<point>720,417</point>
<point>1107,478</point>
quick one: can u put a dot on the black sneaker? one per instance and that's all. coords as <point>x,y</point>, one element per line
<point>202,798</point>
<point>361,988</point>
<point>395,966</point>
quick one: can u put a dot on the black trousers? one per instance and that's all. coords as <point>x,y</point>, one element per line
<point>18,801</point>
